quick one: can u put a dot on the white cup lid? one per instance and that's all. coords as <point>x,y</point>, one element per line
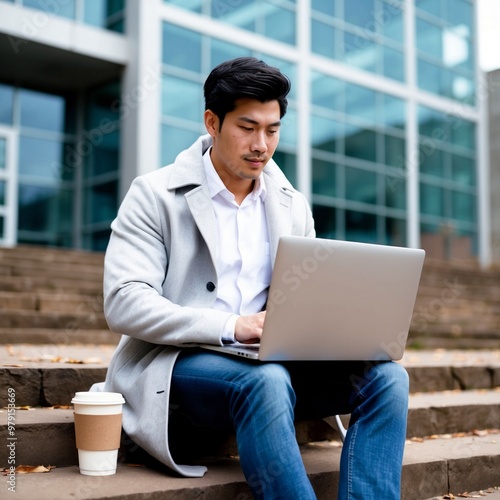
<point>98,398</point>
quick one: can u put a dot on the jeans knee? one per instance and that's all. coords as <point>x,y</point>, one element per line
<point>269,384</point>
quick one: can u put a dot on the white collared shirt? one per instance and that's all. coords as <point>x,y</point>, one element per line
<point>243,261</point>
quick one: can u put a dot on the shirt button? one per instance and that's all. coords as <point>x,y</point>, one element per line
<point>210,286</point>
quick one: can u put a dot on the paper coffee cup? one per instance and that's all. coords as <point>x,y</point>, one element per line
<point>98,424</point>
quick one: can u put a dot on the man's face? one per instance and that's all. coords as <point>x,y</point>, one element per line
<point>246,141</point>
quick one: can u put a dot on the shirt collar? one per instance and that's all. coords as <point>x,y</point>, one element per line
<point>216,186</point>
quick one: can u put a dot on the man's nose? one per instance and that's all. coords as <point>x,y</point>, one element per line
<point>259,143</point>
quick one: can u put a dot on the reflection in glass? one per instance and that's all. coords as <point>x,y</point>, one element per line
<point>326,91</point>
<point>64,8</point>
<point>45,215</point>
<point>174,140</point>
<point>101,202</point>
<point>361,143</point>
<point>464,206</point>
<point>323,39</point>
<point>361,52</point>
<point>325,133</point>
<point>6,103</point>
<point>360,102</point>
<point>394,66</point>
<point>42,111</point>
<point>360,185</point>
<point>223,51</point>
<point>463,170</point>
<point>182,98</point>
<point>106,14</point>
<point>324,178</point>
<point>395,189</point>
<point>395,151</point>
<point>360,13</point>
<point>279,24</point>
<point>325,219</point>
<point>431,199</point>
<point>431,161</point>
<point>190,55</point>
<point>361,226</point>
<point>395,232</point>
<point>3,153</point>
<point>47,159</point>
<point>288,164</point>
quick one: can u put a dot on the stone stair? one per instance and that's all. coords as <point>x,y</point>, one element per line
<point>54,342</point>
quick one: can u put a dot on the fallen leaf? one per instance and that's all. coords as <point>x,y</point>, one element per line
<point>29,469</point>
<point>478,432</point>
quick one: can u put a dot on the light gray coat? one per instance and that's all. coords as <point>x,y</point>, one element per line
<point>159,260</point>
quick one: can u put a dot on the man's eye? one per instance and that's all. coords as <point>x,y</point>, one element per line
<point>248,129</point>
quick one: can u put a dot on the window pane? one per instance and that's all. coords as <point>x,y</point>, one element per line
<point>324,6</point>
<point>182,98</point>
<point>392,22</point>
<point>279,24</point>
<point>325,219</point>
<point>47,211</point>
<point>45,159</point>
<point>190,55</point>
<point>325,133</point>
<point>288,164</point>
<point>360,102</point>
<point>104,157</point>
<point>463,133</point>
<point>463,170</point>
<point>101,202</point>
<point>361,52</point>
<point>3,153</point>
<point>324,178</point>
<point>429,77</point>
<point>6,102</point>
<point>431,161</point>
<point>361,227</point>
<point>429,38</point>
<point>430,6</point>
<point>361,185</point>
<point>393,112</point>
<point>464,206</point>
<point>431,200</point>
<point>242,13</point>
<point>360,13</point>
<point>288,129</point>
<point>361,144</point>
<point>223,51</point>
<point>395,232</point>
<point>395,190</point>
<point>64,8</point>
<point>394,151</point>
<point>460,13</point>
<point>327,91</point>
<point>173,141</point>
<point>42,111</point>
<point>2,230</point>
<point>3,185</point>
<point>394,66</point>
<point>102,12</point>
<point>323,39</point>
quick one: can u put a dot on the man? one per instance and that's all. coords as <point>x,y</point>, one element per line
<point>189,262</point>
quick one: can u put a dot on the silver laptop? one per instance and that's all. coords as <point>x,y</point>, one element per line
<point>337,300</point>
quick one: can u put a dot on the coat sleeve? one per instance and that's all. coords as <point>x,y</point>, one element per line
<point>135,267</point>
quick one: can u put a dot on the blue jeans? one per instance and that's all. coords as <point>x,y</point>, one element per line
<point>261,401</point>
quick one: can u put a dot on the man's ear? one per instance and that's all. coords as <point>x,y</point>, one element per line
<point>211,122</point>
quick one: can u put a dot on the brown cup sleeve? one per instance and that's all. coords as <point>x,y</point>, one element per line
<point>98,432</point>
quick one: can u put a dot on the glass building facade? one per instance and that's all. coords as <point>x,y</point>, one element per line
<point>382,132</point>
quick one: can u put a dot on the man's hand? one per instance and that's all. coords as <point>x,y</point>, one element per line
<point>248,329</point>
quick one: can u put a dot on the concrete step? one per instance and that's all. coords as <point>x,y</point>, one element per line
<point>429,415</point>
<point>71,334</point>
<point>51,302</point>
<point>35,370</point>
<point>50,284</point>
<point>431,467</point>
<point>55,320</point>
<point>34,253</point>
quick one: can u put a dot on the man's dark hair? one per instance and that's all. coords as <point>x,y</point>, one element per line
<point>244,77</point>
